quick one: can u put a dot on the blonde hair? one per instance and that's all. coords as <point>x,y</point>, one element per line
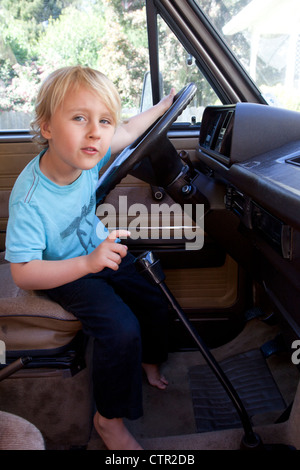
<point>58,83</point>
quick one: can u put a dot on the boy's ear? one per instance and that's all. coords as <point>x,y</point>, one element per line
<point>45,130</point>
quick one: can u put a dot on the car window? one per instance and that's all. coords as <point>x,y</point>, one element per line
<point>39,36</point>
<point>178,68</point>
<point>265,37</point>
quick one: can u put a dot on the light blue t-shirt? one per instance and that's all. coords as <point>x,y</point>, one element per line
<point>52,222</point>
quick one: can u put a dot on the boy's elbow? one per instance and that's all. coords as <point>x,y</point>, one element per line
<point>19,275</point>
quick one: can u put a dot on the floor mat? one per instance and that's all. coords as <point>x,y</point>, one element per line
<point>251,378</point>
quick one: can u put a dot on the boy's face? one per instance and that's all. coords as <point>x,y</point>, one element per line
<point>79,134</point>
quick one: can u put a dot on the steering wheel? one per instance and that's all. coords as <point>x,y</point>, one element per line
<point>132,155</point>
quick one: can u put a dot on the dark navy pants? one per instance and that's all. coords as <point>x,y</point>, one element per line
<point>127,317</point>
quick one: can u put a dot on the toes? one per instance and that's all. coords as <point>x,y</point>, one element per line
<point>160,383</point>
<point>164,380</point>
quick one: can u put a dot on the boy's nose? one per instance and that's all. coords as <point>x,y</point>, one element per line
<point>94,131</point>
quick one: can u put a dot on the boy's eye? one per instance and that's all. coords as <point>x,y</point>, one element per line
<point>78,118</point>
<point>105,121</point>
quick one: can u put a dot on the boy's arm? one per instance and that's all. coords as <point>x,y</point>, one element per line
<point>42,274</point>
<point>134,127</point>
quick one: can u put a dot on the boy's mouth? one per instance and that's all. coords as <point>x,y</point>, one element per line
<point>90,150</point>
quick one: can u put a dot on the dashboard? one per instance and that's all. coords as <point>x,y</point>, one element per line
<point>256,149</point>
<point>253,152</point>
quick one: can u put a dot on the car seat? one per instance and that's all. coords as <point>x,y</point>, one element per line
<point>18,434</point>
<point>53,391</point>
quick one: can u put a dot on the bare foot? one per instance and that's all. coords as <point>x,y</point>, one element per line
<point>154,376</point>
<point>114,433</point>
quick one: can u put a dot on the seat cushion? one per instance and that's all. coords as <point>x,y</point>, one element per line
<point>17,433</point>
<point>29,320</point>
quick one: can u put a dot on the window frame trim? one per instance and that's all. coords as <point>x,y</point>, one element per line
<point>15,135</point>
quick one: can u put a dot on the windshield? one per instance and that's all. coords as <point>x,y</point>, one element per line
<point>265,36</point>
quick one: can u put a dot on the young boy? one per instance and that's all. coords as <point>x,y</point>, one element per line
<point>56,243</point>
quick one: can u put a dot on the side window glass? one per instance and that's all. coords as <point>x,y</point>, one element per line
<point>36,37</point>
<point>178,68</point>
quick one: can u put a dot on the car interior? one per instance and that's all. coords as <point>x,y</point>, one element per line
<point>233,366</point>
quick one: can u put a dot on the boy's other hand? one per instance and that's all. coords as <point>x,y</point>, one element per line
<point>108,254</point>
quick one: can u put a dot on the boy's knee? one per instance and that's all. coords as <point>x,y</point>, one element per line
<point>129,334</point>
<point>121,336</point>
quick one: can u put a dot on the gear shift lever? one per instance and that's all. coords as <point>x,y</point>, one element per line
<point>149,266</point>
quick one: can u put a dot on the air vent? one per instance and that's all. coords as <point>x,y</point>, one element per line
<point>216,132</point>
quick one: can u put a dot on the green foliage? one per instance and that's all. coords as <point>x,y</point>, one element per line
<point>37,36</point>
<point>73,38</point>
<point>124,57</point>
<point>37,10</point>
<point>21,87</point>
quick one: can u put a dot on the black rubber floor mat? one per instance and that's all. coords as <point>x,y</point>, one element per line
<point>251,378</point>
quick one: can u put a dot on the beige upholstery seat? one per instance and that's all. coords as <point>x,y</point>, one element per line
<point>18,434</point>
<point>56,398</point>
<point>30,320</point>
